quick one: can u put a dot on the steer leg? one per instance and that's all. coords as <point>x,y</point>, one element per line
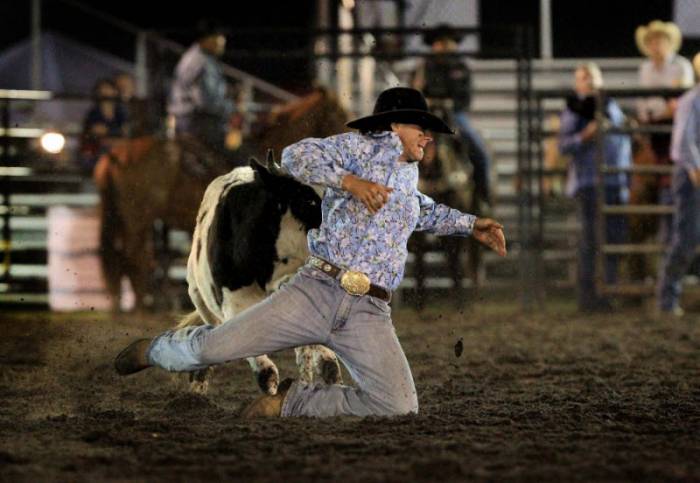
<point>305,363</point>
<point>266,373</point>
<point>318,360</point>
<point>199,380</point>
<point>326,365</point>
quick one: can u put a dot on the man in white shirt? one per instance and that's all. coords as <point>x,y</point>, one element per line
<point>659,42</point>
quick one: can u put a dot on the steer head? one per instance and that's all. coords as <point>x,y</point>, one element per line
<point>291,194</point>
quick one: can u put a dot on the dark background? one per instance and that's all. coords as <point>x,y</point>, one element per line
<point>594,28</point>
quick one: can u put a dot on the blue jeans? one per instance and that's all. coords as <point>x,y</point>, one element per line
<point>665,221</point>
<point>312,308</point>
<point>615,232</point>
<point>684,238</point>
<point>477,152</point>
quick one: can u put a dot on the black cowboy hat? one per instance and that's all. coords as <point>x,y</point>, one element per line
<point>441,31</point>
<point>402,105</point>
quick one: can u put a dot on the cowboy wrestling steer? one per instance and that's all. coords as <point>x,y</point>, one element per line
<point>250,238</point>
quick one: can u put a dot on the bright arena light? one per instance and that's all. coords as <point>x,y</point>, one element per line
<point>53,142</point>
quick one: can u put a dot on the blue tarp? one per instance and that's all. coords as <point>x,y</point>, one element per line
<point>67,67</point>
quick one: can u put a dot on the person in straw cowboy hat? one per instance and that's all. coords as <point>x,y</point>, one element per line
<point>658,41</point>
<point>685,152</point>
<point>371,205</point>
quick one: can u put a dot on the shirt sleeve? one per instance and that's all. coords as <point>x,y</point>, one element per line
<point>442,220</point>
<point>687,75</point>
<point>212,92</point>
<point>690,141</point>
<point>317,161</point>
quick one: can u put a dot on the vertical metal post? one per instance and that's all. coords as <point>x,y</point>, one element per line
<point>6,192</point>
<point>546,29</point>
<point>401,8</point>
<point>345,65</point>
<point>141,69</point>
<point>525,205</point>
<point>536,143</point>
<point>599,186</point>
<point>36,44</point>
<point>324,68</point>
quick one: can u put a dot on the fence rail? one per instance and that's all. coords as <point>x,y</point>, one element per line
<point>604,249</point>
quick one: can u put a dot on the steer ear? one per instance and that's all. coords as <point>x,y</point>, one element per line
<point>255,164</point>
<point>265,175</point>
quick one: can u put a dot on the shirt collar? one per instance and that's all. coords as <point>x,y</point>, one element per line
<point>390,139</point>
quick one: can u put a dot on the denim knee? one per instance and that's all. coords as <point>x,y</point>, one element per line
<point>397,405</point>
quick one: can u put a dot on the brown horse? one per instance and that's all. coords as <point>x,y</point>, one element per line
<point>146,179</point>
<point>644,189</point>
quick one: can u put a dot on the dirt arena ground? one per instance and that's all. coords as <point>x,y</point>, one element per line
<point>556,396</point>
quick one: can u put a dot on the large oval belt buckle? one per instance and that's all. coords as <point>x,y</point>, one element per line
<point>355,283</point>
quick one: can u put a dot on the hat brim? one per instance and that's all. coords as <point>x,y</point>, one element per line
<point>424,119</point>
<point>429,38</point>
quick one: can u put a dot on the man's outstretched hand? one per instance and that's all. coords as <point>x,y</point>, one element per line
<point>490,233</point>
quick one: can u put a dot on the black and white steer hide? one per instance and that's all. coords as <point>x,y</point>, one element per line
<point>250,237</point>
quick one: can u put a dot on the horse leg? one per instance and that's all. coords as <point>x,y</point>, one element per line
<point>326,365</point>
<point>266,373</point>
<point>641,227</point>
<point>138,249</point>
<point>111,264</point>
<point>452,248</point>
<point>111,231</point>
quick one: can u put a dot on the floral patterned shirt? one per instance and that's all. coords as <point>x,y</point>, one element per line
<point>349,235</point>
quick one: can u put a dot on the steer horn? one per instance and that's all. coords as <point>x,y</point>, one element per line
<point>272,166</point>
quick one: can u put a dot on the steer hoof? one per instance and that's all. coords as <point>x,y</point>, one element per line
<point>199,381</point>
<point>268,380</point>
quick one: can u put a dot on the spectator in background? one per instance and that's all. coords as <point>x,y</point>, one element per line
<point>103,121</point>
<point>685,153</point>
<point>139,119</point>
<point>198,100</point>
<point>446,77</point>
<point>578,138</point>
<point>664,68</point>
<point>659,42</point>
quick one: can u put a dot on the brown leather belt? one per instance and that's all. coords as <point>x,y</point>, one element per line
<point>354,283</point>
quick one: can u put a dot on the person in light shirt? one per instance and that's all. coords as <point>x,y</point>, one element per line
<point>577,138</point>
<point>371,205</point>
<point>664,68</point>
<point>685,152</point>
<point>199,101</point>
<point>659,42</point>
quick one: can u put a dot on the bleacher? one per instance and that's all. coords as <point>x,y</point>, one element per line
<point>494,113</point>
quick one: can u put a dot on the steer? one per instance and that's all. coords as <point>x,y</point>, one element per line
<point>249,239</point>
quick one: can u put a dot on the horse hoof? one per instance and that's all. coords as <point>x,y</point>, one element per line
<point>268,380</point>
<point>330,372</point>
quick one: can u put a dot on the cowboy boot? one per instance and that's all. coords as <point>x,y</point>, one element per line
<point>267,406</point>
<point>133,358</point>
